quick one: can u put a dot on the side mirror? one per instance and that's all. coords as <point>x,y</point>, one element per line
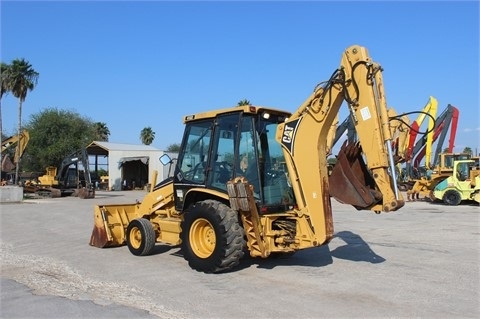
<point>165,159</point>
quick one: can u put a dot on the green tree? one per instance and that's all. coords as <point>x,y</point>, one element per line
<point>173,148</point>
<point>147,135</point>
<point>101,131</point>
<point>467,150</point>
<point>22,79</point>
<point>244,102</point>
<point>54,134</point>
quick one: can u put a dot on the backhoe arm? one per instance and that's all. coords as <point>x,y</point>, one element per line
<point>368,185</point>
<point>19,143</point>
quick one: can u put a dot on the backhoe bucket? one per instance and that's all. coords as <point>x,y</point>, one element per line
<point>85,193</point>
<point>350,181</point>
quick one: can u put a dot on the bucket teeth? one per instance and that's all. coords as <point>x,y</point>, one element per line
<point>99,237</point>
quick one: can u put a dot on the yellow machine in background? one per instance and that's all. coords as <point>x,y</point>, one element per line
<point>424,186</point>
<point>462,185</point>
<point>71,179</point>
<point>20,143</point>
<point>50,177</point>
<point>216,208</point>
<point>400,130</point>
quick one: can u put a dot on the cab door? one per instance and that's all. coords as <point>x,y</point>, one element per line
<point>191,168</point>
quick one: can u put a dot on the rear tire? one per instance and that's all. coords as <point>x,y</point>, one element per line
<point>140,237</point>
<point>452,197</point>
<point>212,239</point>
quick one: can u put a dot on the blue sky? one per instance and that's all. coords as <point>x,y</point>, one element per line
<point>133,64</point>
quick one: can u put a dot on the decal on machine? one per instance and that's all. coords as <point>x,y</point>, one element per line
<point>365,113</point>
<point>289,131</point>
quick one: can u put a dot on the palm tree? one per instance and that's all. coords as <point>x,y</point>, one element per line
<point>5,88</point>
<point>147,135</point>
<point>22,78</point>
<point>244,102</point>
<point>101,131</point>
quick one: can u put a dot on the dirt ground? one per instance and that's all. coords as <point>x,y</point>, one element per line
<point>420,261</point>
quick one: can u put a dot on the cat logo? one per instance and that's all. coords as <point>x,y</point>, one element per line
<point>288,134</point>
<point>289,131</point>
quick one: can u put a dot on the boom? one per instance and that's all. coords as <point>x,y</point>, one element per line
<point>430,109</point>
<point>358,82</point>
<point>20,146</point>
<point>448,119</point>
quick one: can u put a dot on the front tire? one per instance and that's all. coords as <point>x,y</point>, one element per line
<point>140,237</point>
<point>452,197</point>
<point>212,239</point>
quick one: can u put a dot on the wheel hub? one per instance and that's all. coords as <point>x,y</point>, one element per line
<point>135,237</point>
<point>202,238</point>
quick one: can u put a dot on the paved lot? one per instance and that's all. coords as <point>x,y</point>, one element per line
<point>421,261</point>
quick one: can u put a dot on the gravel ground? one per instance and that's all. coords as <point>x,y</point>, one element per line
<point>421,261</point>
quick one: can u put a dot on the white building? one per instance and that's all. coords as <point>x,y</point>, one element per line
<point>128,163</point>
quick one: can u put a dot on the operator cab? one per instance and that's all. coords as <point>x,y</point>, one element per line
<point>240,141</point>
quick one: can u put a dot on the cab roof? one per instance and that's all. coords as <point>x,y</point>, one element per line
<point>251,109</point>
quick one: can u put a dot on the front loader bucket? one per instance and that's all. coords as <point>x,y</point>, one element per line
<point>100,238</point>
<point>350,181</point>
<point>110,223</point>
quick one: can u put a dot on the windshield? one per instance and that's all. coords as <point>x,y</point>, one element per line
<point>193,162</point>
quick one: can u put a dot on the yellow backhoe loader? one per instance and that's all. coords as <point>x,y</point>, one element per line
<point>251,178</point>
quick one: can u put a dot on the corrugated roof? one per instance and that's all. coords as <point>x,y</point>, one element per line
<point>102,148</point>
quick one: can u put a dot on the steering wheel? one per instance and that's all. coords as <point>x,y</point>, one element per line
<point>272,176</point>
<point>196,174</point>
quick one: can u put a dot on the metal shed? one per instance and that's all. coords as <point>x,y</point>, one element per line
<point>129,166</point>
